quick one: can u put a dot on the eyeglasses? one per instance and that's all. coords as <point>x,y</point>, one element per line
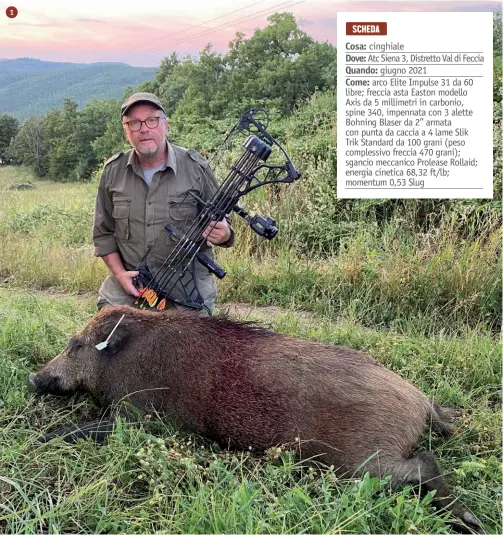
<point>135,124</point>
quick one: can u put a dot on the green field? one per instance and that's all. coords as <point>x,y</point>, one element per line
<point>415,284</point>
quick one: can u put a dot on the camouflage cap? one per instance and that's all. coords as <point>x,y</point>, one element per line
<point>141,97</point>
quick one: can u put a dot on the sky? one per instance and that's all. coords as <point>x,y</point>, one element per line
<point>141,33</point>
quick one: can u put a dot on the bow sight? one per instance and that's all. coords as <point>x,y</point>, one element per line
<point>249,171</point>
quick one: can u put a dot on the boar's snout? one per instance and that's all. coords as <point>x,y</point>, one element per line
<point>47,384</point>
<point>32,378</point>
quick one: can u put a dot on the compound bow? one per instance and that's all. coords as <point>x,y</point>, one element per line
<point>249,171</point>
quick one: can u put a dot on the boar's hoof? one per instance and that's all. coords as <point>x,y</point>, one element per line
<point>468,524</point>
<point>97,430</point>
<point>472,523</point>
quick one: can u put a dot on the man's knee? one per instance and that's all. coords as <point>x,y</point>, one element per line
<point>101,302</point>
<point>206,311</point>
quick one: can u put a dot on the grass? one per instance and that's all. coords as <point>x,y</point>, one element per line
<point>386,275</point>
<point>398,286</point>
<point>46,234</point>
<point>426,304</point>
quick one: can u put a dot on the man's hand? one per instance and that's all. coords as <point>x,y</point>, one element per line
<point>125,279</point>
<point>121,275</point>
<point>217,232</point>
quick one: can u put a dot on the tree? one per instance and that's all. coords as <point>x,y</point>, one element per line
<point>205,92</point>
<point>30,147</point>
<point>279,65</point>
<point>9,127</point>
<point>164,72</point>
<point>175,84</point>
<point>276,68</point>
<point>60,127</point>
<point>61,144</point>
<point>112,140</point>
<point>90,125</point>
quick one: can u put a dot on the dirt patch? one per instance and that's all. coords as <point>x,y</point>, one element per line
<point>239,311</point>
<point>20,187</point>
<point>244,311</point>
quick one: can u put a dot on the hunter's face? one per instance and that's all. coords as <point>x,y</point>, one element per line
<point>148,140</point>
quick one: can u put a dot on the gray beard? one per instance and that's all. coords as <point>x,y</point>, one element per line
<point>148,152</point>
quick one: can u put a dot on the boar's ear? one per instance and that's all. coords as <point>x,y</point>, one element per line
<point>117,341</point>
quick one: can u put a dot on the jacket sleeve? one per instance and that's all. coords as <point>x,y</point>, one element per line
<point>104,226</point>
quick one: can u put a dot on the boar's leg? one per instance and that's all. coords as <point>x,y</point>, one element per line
<point>423,469</point>
<point>97,430</point>
<point>442,418</point>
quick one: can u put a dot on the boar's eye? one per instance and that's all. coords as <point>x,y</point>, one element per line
<point>75,345</point>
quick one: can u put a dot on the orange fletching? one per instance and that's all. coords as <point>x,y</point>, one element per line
<point>152,298</point>
<point>161,305</point>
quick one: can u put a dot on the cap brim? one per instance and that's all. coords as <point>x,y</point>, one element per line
<point>125,110</point>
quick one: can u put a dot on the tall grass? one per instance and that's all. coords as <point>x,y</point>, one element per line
<point>46,234</point>
<point>380,278</point>
<point>383,272</point>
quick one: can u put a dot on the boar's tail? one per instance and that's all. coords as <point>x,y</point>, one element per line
<point>442,418</point>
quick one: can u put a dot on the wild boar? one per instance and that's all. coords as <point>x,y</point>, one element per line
<point>244,386</point>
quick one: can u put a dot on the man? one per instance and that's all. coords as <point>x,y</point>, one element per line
<point>142,190</point>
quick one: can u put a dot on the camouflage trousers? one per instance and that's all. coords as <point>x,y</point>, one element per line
<point>112,294</point>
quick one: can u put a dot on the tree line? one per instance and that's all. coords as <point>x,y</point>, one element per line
<point>277,67</point>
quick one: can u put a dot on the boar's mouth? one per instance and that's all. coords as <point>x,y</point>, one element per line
<point>48,385</point>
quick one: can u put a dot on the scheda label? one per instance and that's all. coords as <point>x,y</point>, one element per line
<point>414,105</point>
